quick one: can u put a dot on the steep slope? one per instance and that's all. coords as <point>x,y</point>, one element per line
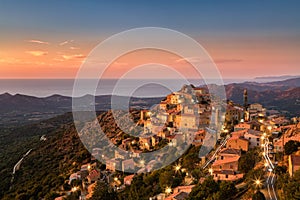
<point>43,170</point>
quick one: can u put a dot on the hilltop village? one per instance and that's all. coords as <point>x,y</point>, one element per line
<point>250,145</point>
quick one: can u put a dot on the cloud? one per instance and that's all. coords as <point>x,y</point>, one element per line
<point>66,42</point>
<point>22,62</point>
<point>228,60</point>
<point>74,48</point>
<point>9,60</point>
<point>37,41</point>
<point>199,60</point>
<point>70,57</point>
<point>190,59</point>
<point>37,53</point>
<point>59,59</point>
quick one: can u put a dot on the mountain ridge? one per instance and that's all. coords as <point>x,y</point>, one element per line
<point>20,108</point>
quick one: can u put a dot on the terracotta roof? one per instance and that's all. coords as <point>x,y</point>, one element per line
<point>128,178</point>
<point>181,196</point>
<point>184,187</point>
<point>227,160</point>
<point>230,151</point>
<point>252,135</point>
<point>178,196</point>
<point>229,172</point>
<point>94,174</point>
<point>238,138</point>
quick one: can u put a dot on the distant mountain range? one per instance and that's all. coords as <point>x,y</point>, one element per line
<point>283,96</point>
<point>276,77</point>
<point>19,109</point>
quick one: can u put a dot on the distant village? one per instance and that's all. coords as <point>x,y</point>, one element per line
<point>191,117</point>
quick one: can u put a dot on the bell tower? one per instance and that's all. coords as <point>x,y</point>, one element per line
<point>245,99</point>
<point>245,103</point>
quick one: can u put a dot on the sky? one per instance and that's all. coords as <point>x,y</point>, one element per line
<point>246,39</point>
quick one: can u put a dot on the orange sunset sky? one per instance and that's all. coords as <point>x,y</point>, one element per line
<point>244,40</point>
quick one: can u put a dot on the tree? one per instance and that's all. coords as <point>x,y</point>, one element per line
<point>291,188</point>
<point>258,196</point>
<point>291,147</point>
<point>227,190</point>
<point>247,161</point>
<point>197,173</point>
<point>205,190</point>
<point>103,192</point>
<point>166,179</point>
<point>191,158</point>
<point>279,170</point>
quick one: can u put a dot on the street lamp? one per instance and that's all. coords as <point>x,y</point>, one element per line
<point>74,189</point>
<point>264,134</point>
<point>168,190</point>
<point>257,182</point>
<point>177,167</point>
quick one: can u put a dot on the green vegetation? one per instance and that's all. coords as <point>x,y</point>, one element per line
<point>213,190</point>
<point>47,167</point>
<point>249,159</point>
<point>103,192</point>
<point>258,196</point>
<point>291,147</point>
<point>289,187</point>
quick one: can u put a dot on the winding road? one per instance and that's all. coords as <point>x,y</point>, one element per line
<point>18,164</point>
<point>271,193</point>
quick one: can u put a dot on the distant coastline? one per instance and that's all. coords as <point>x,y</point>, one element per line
<point>48,87</point>
<point>284,77</point>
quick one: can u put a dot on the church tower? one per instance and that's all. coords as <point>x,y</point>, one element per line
<point>245,99</point>
<point>245,104</point>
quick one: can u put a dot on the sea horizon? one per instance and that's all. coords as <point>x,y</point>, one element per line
<point>64,87</point>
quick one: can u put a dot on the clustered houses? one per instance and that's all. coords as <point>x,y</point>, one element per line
<point>85,180</point>
<point>248,125</point>
<point>289,132</point>
<point>251,128</point>
<point>226,165</point>
<point>180,118</point>
<point>179,193</point>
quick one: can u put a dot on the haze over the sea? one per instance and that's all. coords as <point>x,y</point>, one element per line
<point>48,87</point>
